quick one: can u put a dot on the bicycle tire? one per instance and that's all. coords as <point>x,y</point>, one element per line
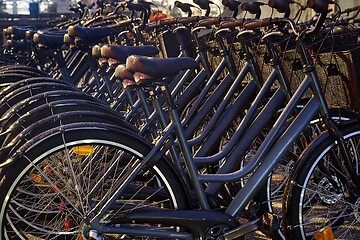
<point>29,91</point>
<point>27,106</point>
<point>22,71</point>
<point>29,128</point>
<point>13,140</point>
<point>25,82</point>
<point>6,68</point>
<point>8,78</point>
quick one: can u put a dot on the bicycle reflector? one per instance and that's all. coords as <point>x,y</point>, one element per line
<point>325,234</point>
<point>83,150</point>
<point>37,178</point>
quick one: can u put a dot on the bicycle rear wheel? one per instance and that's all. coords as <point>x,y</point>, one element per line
<point>59,179</point>
<point>320,194</point>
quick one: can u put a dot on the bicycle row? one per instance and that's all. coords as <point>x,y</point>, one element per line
<point>132,146</point>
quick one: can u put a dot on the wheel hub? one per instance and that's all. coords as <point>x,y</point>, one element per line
<point>334,194</point>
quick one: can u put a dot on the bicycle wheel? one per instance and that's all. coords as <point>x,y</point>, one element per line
<point>276,183</point>
<point>57,182</point>
<point>320,194</point>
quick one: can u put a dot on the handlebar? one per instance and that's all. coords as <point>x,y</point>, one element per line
<point>187,20</point>
<point>127,22</point>
<point>320,6</point>
<point>172,21</point>
<point>204,4</point>
<point>185,7</point>
<point>232,24</point>
<point>209,21</point>
<point>232,5</point>
<point>252,25</point>
<point>147,5</point>
<point>353,9</point>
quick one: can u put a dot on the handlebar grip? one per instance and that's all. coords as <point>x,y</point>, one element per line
<point>135,7</point>
<point>319,6</point>
<point>257,23</point>
<point>187,20</point>
<point>251,7</point>
<point>209,21</point>
<point>232,24</point>
<point>203,4</point>
<point>231,4</point>
<point>282,6</point>
<point>168,21</point>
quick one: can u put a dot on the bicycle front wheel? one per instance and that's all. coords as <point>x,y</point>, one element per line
<point>320,192</point>
<point>61,179</point>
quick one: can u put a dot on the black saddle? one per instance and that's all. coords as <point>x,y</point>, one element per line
<point>158,68</point>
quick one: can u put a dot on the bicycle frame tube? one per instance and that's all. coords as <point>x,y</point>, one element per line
<point>205,90</point>
<point>209,104</point>
<point>270,139</point>
<point>249,67</point>
<point>224,104</point>
<point>272,159</point>
<point>146,232</point>
<point>246,121</point>
<point>231,112</point>
<point>179,81</point>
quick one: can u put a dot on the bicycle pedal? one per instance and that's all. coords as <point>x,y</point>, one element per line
<point>270,225</point>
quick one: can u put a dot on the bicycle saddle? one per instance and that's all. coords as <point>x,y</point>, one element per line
<point>91,34</point>
<point>122,73</point>
<point>19,31</point>
<point>159,67</point>
<point>52,41</point>
<point>16,44</point>
<point>121,53</point>
<point>68,39</point>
